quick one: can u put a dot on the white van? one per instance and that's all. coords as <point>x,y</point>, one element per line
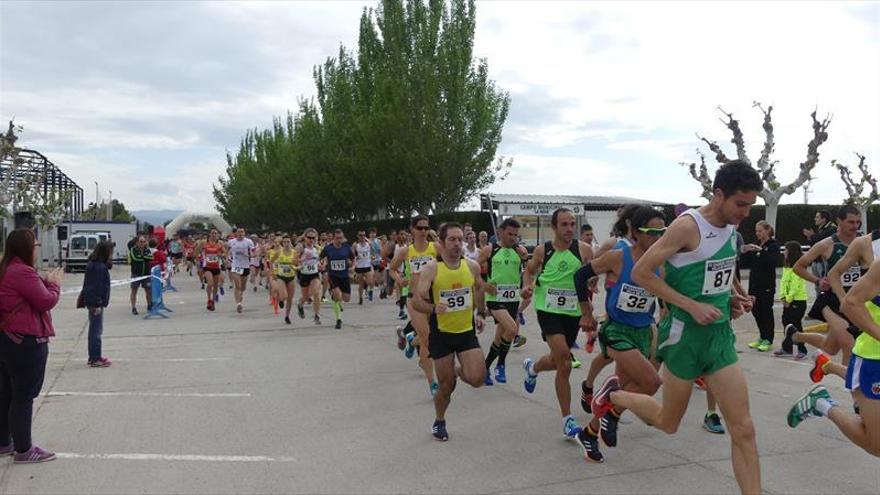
<point>79,247</point>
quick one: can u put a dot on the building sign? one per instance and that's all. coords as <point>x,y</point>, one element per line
<point>542,209</point>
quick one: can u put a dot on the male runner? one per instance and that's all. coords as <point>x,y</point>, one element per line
<point>626,335</point>
<point>308,276</point>
<point>241,252</point>
<point>376,245</point>
<point>862,306</point>
<point>338,259</point>
<point>553,265</point>
<point>696,337</point>
<point>258,260</point>
<point>449,289</point>
<point>841,333</point>
<point>363,266</point>
<point>139,257</point>
<point>504,261</point>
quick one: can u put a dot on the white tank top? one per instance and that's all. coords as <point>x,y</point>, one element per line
<point>362,255</point>
<point>472,255</point>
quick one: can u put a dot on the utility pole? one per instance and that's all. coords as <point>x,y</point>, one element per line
<point>95,216</point>
<point>807,192</point>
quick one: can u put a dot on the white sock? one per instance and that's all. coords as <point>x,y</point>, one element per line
<point>825,405</point>
<point>532,369</point>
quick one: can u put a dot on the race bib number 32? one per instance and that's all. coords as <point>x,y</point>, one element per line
<point>633,299</point>
<point>457,299</point>
<point>718,277</point>
<point>561,299</point>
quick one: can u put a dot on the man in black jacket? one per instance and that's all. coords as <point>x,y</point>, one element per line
<point>825,227</point>
<point>139,256</point>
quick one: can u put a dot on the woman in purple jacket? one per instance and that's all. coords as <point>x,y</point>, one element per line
<point>96,297</point>
<point>25,302</point>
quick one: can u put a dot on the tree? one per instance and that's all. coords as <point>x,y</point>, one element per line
<point>410,122</point>
<point>855,190</point>
<point>773,189</point>
<point>99,212</point>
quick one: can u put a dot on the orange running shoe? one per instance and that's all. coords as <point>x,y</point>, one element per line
<point>700,383</point>
<point>818,371</point>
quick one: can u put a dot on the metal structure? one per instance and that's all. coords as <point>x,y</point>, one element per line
<point>34,168</point>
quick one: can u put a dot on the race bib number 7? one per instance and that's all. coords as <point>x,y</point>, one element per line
<point>561,299</point>
<point>718,277</point>
<point>633,299</point>
<point>851,276</point>
<point>457,299</point>
<point>416,263</point>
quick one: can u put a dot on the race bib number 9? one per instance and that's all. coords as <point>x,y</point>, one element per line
<point>851,276</point>
<point>561,299</point>
<point>418,262</point>
<point>309,268</point>
<point>338,265</point>
<point>633,299</point>
<point>457,299</point>
<point>718,277</point>
<point>507,293</point>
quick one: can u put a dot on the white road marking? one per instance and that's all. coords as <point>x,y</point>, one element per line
<point>144,394</point>
<point>175,457</point>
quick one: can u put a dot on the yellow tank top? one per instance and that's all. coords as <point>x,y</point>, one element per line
<point>416,260</point>
<point>284,264</point>
<point>455,287</point>
<point>867,347</point>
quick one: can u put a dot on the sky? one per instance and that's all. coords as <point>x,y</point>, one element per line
<point>606,98</point>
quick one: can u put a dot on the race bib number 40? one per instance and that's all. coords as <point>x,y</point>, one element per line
<point>507,293</point>
<point>338,265</point>
<point>561,299</point>
<point>457,299</point>
<point>633,299</point>
<point>718,277</point>
<point>851,276</point>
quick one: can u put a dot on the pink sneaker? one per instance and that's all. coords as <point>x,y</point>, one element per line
<point>7,450</point>
<point>602,398</point>
<point>101,362</point>
<point>35,454</point>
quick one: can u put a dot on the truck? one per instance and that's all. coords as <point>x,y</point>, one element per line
<point>70,243</point>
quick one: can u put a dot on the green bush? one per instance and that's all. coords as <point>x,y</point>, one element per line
<point>792,219</point>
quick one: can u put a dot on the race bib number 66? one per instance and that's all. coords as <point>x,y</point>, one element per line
<point>718,277</point>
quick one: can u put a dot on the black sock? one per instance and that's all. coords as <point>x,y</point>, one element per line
<point>408,328</point>
<point>494,351</point>
<point>503,349</point>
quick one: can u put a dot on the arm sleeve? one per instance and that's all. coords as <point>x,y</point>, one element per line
<point>581,282</point>
<point>40,295</point>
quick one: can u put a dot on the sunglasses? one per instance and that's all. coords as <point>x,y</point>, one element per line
<point>311,237</point>
<point>653,232</point>
<point>422,227</point>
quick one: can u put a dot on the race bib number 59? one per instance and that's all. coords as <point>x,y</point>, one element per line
<point>718,277</point>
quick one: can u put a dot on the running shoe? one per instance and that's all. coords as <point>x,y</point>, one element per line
<point>203,286</point>
<point>602,398</point>
<point>590,444</point>
<point>338,324</point>
<point>434,388</point>
<point>800,356</point>
<point>238,308</point>
<point>33,455</point>
<point>608,428</point>
<point>521,318</point>
<point>255,288</point>
<point>300,311</point>
<point>531,380</point>
<point>781,353</point>
<point>8,449</point>
<point>317,320</point>
<point>361,301</point>
<point>764,346</point>
<point>409,350</point>
<point>439,431</point>
<point>216,297</point>
<point>401,339</point>
<point>591,343</point>
<point>134,311</point>
<point>712,423</point>
<point>818,371</point>
<point>324,300</point>
<point>287,320</point>
<point>222,292</point>
<point>700,382</point>
<point>281,304</point>
<point>101,362</point>
<point>570,427</point>
<point>806,405</point>
<point>488,380</point>
<point>574,361</point>
<point>575,345</point>
<point>501,373</point>
<point>586,397</point>
<point>210,305</point>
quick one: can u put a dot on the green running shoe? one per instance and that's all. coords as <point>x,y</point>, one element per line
<point>754,344</point>
<point>712,423</point>
<point>764,346</point>
<point>806,405</point>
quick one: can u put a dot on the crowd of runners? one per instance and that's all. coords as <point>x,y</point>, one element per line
<point>672,291</point>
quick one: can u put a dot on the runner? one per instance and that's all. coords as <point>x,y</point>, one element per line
<point>282,276</point>
<point>413,259</point>
<point>258,260</point>
<point>175,250</point>
<point>553,265</point>
<point>626,336</point>
<point>338,260</point>
<point>841,333</point>
<point>471,251</point>
<point>211,252</point>
<point>504,260</point>
<point>449,289</point>
<point>400,248</point>
<point>696,337</point>
<point>189,249</point>
<point>376,244</point>
<point>139,257</point>
<point>307,276</point>
<point>862,306</point>
<point>363,266</point>
<point>241,252</point>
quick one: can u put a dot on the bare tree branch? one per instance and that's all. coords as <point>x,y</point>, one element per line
<point>853,190</point>
<point>720,157</point>
<point>820,135</point>
<point>702,176</point>
<point>737,140</point>
<point>765,166</point>
<point>868,179</point>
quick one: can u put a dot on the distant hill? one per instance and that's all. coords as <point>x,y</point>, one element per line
<point>156,217</point>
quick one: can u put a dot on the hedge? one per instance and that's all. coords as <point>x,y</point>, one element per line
<point>480,220</point>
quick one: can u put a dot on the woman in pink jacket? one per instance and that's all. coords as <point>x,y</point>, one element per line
<point>26,325</point>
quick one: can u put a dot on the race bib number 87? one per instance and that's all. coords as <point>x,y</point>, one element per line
<point>718,277</point>
<point>457,299</point>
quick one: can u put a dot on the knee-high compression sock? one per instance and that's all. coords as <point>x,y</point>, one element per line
<point>336,309</point>
<point>503,349</point>
<point>494,351</point>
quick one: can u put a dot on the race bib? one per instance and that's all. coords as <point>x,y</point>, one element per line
<point>416,263</point>
<point>212,258</point>
<point>309,268</point>
<point>237,270</point>
<point>561,299</point>
<point>633,299</point>
<point>851,276</point>
<point>718,277</point>
<point>338,265</point>
<point>286,268</point>
<point>457,299</point>
<point>507,293</point>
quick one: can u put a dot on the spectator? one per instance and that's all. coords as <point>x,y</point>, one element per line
<point>825,226</point>
<point>589,237</point>
<point>26,324</point>
<point>793,293</point>
<point>140,256</point>
<point>762,282</point>
<point>96,297</point>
